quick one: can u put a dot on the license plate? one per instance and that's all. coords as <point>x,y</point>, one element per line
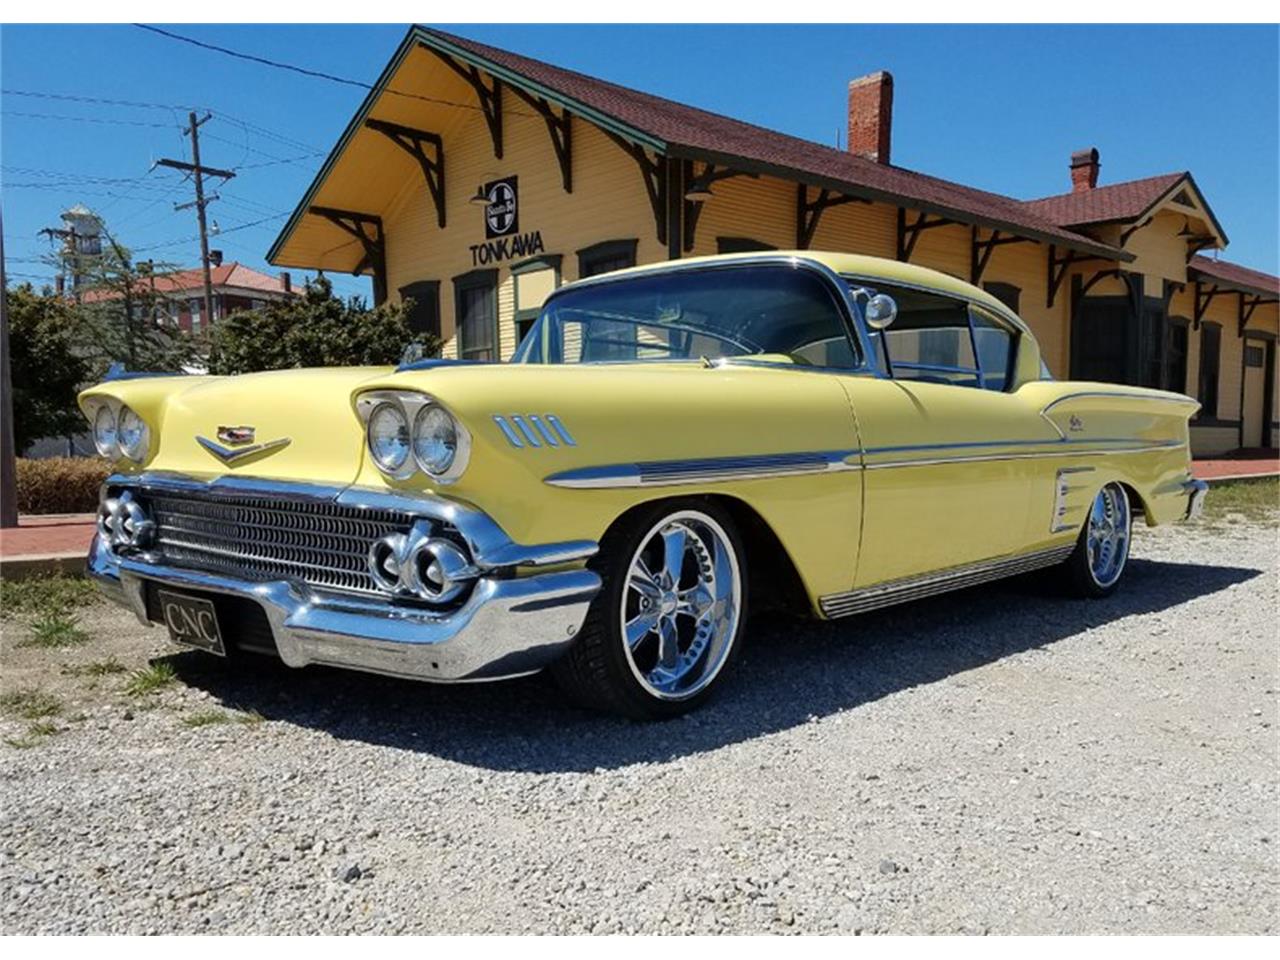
<point>192,622</point>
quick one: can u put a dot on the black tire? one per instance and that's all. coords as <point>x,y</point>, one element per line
<point>597,671</point>
<point>1081,579</point>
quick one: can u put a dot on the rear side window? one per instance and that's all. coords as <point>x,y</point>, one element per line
<point>940,339</point>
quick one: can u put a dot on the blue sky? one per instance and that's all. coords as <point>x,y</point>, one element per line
<point>999,108</point>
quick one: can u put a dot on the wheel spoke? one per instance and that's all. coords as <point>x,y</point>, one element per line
<point>696,601</point>
<point>644,582</point>
<point>674,539</point>
<point>668,643</point>
<point>640,627</point>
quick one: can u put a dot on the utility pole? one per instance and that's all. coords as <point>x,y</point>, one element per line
<point>199,172</point>
<point>8,468</point>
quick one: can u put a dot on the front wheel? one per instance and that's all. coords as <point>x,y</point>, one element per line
<point>668,617</point>
<point>1102,552</point>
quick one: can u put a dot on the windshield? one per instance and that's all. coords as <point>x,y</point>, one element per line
<point>776,312</point>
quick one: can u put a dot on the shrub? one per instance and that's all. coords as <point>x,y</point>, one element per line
<point>60,484</point>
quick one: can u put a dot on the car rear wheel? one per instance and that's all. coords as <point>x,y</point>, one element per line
<point>1102,552</point>
<point>668,618</point>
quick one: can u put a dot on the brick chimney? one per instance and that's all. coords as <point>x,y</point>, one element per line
<point>286,281</point>
<point>871,115</point>
<point>1084,170</point>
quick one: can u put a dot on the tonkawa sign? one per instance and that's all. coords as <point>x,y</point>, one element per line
<point>503,241</point>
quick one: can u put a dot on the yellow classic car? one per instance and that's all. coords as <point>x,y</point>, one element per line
<point>671,447</point>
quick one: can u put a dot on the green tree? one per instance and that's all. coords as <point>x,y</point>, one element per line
<point>47,363</point>
<point>316,329</point>
<point>130,319</point>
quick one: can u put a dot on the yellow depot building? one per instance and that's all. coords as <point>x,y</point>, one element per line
<point>474,181</point>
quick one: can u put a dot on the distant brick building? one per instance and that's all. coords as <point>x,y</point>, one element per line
<point>235,287</point>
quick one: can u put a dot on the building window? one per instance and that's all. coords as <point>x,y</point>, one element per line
<point>195,316</point>
<point>424,314</point>
<point>1175,354</point>
<point>605,257</point>
<point>1210,361</point>
<point>1006,293</point>
<point>740,245</point>
<point>475,297</point>
<point>534,280</point>
<point>1253,356</point>
<point>611,341</point>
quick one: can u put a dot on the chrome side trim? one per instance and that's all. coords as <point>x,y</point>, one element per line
<point>1037,455</point>
<point>925,585</point>
<point>716,469</point>
<point>1062,488</point>
<point>533,430</point>
<point>233,454</point>
<point>1179,399</point>
<point>754,467</point>
<point>513,438</point>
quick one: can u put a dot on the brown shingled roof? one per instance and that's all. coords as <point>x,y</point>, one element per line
<point>1234,275</point>
<point>1114,202</point>
<point>701,133</point>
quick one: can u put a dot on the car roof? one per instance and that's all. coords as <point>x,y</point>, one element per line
<point>853,265</point>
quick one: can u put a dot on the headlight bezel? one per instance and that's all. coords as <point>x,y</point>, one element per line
<point>405,466</point>
<point>434,469</point>
<point>109,449</point>
<point>411,403</point>
<point>137,452</point>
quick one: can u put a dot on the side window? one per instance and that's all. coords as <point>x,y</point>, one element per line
<point>929,340</point>
<point>938,339</point>
<point>476,305</point>
<point>995,344</point>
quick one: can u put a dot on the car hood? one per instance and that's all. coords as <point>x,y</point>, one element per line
<point>302,421</point>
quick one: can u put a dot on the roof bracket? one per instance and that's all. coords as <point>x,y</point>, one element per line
<point>980,251</point>
<point>490,95</point>
<point>412,141</point>
<point>809,212</point>
<point>372,241</point>
<point>560,128</point>
<point>909,233</point>
<point>1203,297</point>
<point>654,171</point>
<point>694,180</point>
<point>1058,267</point>
<point>1248,304</point>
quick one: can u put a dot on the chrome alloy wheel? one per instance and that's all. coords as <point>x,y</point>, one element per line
<point>1107,540</point>
<point>681,605</point>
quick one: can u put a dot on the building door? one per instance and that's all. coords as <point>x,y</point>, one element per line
<point>1253,417</point>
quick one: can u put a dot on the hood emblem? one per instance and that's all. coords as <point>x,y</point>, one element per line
<point>235,436</point>
<point>232,454</point>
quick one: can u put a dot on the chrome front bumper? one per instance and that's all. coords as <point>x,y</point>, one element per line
<point>509,625</point>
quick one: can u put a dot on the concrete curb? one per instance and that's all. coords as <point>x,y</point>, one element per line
<point>26,566</point>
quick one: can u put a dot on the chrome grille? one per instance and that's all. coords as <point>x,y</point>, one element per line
<point>323,544</point>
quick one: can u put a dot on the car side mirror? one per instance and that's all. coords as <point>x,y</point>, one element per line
<point>881,311</point>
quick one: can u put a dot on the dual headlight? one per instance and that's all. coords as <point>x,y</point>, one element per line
<point>411,431</point>
<point>118,430</point>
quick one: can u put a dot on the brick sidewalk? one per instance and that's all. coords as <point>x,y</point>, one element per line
<point>50,535</point>
<point>1237,465</point>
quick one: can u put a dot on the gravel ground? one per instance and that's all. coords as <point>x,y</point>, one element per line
<point>995,761</point>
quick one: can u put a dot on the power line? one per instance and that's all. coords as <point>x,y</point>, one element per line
<point>82,99</point>
<point>55,116</point>
<point>317,74</point>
